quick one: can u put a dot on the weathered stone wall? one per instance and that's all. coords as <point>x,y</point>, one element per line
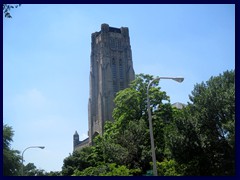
<point>81,144</point>
<point>111,70</point>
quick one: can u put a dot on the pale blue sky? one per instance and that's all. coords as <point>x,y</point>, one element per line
<point>46,63</point>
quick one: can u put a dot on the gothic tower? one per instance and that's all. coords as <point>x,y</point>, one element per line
<point>111,70</point>
<point>75,139</point>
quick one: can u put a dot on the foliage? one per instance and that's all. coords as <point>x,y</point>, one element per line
<point>7,8</point>
<point>196,140</point>
<point>109,151</point>
<point>11,157</point>
<point>107,170</point>
<point>203,133</point>
<point>131,120</point>
<point>169,168</point>
<point>31,170</point>
<point>126,141</point>
<point>53,173</point>
<point>79,160</point>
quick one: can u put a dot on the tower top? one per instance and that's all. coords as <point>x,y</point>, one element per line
<point>76,133</point>
<point>105,28</point>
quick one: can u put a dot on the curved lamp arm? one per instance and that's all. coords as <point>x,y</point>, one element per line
<point>41,147</point>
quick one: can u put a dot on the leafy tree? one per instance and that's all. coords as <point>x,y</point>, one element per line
<point>31,170</point>
<point>11,157</point>
<point>126,140</point>
<point>91,171</point>
<point>53,173</point>
<point>196,140</point>
<point>108,151</point>
<point>79,160</point>
<point>131,119</point>
<point>204,132</point>
<point>7,8</point>
<point>169,168</point>
<point>107,170</point>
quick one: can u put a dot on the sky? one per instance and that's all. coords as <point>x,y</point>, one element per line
<point>46,63</point>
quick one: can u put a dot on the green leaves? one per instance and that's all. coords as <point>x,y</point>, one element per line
<point>169,168</point>
<point>31,170</point>
<point>79,160</point>
<point>127,104</point>
<point>196,140</point>
<point>7,136</point>
<point>111,169</point>
<point>205,131</point>
<point>124,148</point>
<point>7,8</point>
<point>11,158</point>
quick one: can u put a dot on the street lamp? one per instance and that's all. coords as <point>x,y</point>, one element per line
<point>41,147</point>
<point>178,79</point>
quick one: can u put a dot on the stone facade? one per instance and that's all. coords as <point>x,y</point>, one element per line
<point>179,105</point>
<point>111,70</point>
<point>79,144</point>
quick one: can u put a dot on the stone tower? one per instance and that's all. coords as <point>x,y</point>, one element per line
<point>111,70</point>
<point>75,139</point>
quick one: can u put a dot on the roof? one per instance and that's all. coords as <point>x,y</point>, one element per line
<point>179,105</point>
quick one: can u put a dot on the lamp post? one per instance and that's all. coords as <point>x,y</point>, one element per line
<point>41,147</point>
<point>178,79</point>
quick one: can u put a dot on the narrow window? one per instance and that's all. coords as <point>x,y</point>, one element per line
<point>115,89</point>
<point>114,75</point>
<point>121,85</point>
<point>114,70</point>
<point>121,69</point>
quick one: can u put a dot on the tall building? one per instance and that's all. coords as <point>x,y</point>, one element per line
<point>111,70</point>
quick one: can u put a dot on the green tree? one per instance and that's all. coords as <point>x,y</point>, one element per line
<point>130,130</point>
<point>7,8</point>
<point>53,173</point>
<point>79,160</point>
<point>11,157</point>
<point>204,132</point>
<point>130,126</point>
<point>169,168</point>
<point>108,151</point>
<point>31,170</point>
<point>107,170</point>
<point>126,141</point>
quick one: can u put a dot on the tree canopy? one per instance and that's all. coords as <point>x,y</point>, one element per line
<point>196,140</point>
<point>204,132</point>
<point>126,141</point>
<point>7,8</point>
<point>11,157</point>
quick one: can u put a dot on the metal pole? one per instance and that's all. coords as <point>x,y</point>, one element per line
<point>42,147</point>
<point>178,79</point>
<point>151,131</point>
<point>22,162</point>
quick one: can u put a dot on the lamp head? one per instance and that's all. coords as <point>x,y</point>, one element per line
<point>42,147</point>
<point>178,79</point>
